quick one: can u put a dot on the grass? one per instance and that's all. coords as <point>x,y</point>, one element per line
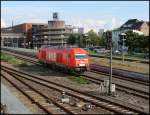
<point>131,66</point>
<point>79,80</point>
<point>12,60</point>
<point>130,55</point>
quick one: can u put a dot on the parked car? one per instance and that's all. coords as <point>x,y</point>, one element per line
<point>117,52</point>
<point>101,50</point>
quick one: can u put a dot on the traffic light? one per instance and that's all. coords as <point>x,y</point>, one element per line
<point>109,39</point>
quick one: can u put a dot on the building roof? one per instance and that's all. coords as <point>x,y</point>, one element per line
<point>131,21</point>
<point>132,24</point>
<point>137,25</point>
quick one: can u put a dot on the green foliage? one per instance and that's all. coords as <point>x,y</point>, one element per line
<point>79,80</point>
<point>9,58</point>
<point>92,39</point>
<point>12,60</point>
<point>72,39</point>
<point>103,41</point>
<point>134,41</point>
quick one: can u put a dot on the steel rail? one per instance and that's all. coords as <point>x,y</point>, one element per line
<point>94,71</point>
<point>146,96</point>
<point>46,97</point>
<point>28,96</point>
<point>121,72</point>
<point>95,97</point>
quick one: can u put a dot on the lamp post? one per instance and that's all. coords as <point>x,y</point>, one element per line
<point>123,36</point>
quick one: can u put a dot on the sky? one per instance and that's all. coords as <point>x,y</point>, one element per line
<point>87,14</point>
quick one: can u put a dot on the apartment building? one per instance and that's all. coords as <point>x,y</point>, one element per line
<point>56,33</point>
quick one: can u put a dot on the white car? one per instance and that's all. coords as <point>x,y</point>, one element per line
<point>102,50</point>
<point>117,52</point>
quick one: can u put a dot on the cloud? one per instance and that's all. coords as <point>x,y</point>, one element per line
<point>3,23</point>
<point>115,23</point>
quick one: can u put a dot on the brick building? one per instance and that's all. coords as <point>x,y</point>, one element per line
<point>26,29</point>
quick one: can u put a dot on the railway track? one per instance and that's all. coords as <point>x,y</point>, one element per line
<point>123,78</point>
<point>113,106</point>
<point>118,73</point>
<point>97,80</point>
<point>119,87</point>
<point>49,103</point>
<point>127,59</point>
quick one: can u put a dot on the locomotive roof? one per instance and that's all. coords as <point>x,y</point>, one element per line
<point>59,47</point>
<point>76,49</point>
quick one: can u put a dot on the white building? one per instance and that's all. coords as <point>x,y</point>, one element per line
<point>100,32</point>
<point>132,25</point>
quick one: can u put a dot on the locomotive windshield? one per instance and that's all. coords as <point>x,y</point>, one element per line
<point>80,56</point>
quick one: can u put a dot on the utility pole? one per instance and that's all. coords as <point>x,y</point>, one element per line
<point>110,77</point>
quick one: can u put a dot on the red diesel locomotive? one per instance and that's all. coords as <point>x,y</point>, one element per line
<point>68,59</point>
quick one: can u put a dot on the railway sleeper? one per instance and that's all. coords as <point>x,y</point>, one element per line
<point>101,105</point>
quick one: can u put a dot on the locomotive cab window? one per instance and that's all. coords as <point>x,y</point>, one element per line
<point>80,56</point>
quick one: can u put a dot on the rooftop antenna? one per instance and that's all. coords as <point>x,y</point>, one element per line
<point>55,16</point>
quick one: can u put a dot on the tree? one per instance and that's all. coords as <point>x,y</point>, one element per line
<point>130,40</point>
<point>93,38</point>
<point>143,44</point>
<point>134,41</point>
<point>103,41</point>
<point>72,39</point>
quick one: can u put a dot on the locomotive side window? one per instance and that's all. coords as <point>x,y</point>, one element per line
<point>80,56</point>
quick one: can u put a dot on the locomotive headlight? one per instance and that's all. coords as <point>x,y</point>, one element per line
<point>80,65</point>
